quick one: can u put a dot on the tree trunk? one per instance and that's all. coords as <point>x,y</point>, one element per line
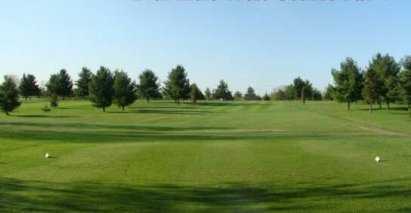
<point>7,113</point>
<point>380,104</point>
<point>370,108</point>
<point>148,100</point>
<point>104,109</point>
<point>348,105</point>
<point>388,105</point>
<point>122,108</point>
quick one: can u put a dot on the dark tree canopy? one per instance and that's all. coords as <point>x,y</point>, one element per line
<point>177,87</point>
<point>9,95</point>
<point>316,95</point>
<point>238,95</point>
<point>60,84</point>
<point>125,90</point>
<point>303,90</point>
<point>101,88</point>
<point>348,82</point>
<point>222,92</point>
<point>370,89</point>
<point>28,86</point>
<point>83,82</point>
<point>65,85</point>
<point>53,85</point>
<point>266,97</point>
<point>208,94</point>
<point>387,70</point>
<point>329,93</point>
<point>405,80</point>
<point>149,87</point>
<point>250,95</point>
<point>195,93</point>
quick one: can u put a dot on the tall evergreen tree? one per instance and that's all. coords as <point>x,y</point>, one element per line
<point>53,85</point>
<point>266,97</point>
<point>149,87</point>
<point>83,82</point>
<point>370,89</point>
<point>348,82</point>
<point>238,96</point>
<point>222,92</point>
<point>177,87</point>
<point>195,93</point>
<point>387,70</point>
<point>125,91</point>
<point>208,94</point>
<point>9,95</point>
<point>405,80</point>
<point>28,86</point>
<point>60,84</point>
<point>250,95</point>
<point>101,88</point>
<point>65,84</point>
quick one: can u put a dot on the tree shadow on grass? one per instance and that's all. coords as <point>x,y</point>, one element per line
<point>385,109</point>
<point>45,116</point>
<point>16,195</point>
<point>165,112</point>
<point>100,126</point>
<point>83,135</point>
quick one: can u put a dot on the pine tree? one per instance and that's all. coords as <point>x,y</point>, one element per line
<point>60,84</point>
<point>208,94</point>
<point>9,95</point>
<point>65,84</point>
<point>222,92</point>
<point>177,87</point>
<point>238,96</point>
<point>195,93</point>
<point>370,90</point>
<point>53,85</point>
<point>101,89</point>
<point>149,87</point>
<point>405,80</point>
<point>28,86</point>
<point>125,91</point>
<point>348,82</point>
<point>83,82</point>
<point>250,94</point>
<point>387,70</point>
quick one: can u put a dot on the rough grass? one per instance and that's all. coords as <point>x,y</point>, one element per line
<point>210,157</point>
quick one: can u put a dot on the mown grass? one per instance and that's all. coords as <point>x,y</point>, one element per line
<point>211,157</point>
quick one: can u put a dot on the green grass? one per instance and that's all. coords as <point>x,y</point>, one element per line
<point>210,157</point>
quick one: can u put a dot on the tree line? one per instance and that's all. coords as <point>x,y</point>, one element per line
<point>383,81</point>
<point>106,87</point>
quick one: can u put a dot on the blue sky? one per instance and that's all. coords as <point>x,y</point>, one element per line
<point>264,44</point>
